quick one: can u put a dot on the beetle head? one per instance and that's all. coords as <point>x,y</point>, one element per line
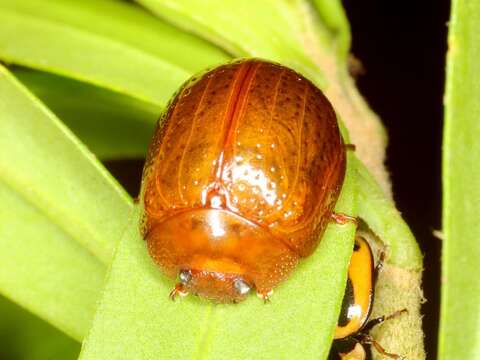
<point>220,281</point>
<point>218,254</point>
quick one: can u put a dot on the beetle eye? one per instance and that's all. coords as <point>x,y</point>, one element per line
<point>185,276</point>
<point>241,286</point>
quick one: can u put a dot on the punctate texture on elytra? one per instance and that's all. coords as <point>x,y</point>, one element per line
<point>241,179</point>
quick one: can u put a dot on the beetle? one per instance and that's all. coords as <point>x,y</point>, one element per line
<point>241,180</point>
<point>352,331</point>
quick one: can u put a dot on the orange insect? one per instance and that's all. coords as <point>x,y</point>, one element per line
<point>354,325</point>
<point>241,180</point>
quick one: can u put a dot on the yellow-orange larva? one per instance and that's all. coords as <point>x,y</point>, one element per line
<point>241,179</point>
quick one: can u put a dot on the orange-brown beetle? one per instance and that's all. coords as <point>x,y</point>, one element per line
<point>241,180</point>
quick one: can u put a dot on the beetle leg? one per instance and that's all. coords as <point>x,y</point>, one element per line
<point>368,340</point>
<point>351,147</point>
<point>374,322</point>
<point>342,219</point>
<point>179,289</point>
<point>265,295</point>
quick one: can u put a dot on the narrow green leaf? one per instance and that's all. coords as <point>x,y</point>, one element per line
<point>25,337</point>
<point>385,221</point>
<point>459,336</point>
<point>112,125</point>
<point>112,44</point>
<point>136,319</point>
<point>333,16</point>
<point>269,29</point>
<point>42,161</point>
<point>60,212</point>
<point>44,269</point>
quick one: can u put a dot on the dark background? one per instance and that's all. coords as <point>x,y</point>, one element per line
<point>402,47</point>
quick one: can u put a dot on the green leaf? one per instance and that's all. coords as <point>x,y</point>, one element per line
<point>333,16</point>
<point>113,126</point>
<point>25,337</point>
<point>44,269</point>
<point>459,336</point>
<point>60,212</point>
<point>42,161</point>
<point>385,221</point>
<point>136,316</point>
<point>112,44</point>
<point>131,52</point>
<point>270,29</point>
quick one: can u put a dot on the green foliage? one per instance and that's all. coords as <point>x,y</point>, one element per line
<point>18,328</point>
<point>133,53</point>
<point>50,245</point>
<point>333,17</point>
<point>459,324</point>
<point>111,125</point>
<point>386,222</point>
<point>268,29</point>
<point>136,302</point>
<point>42,161</point>
<point>62,215</point>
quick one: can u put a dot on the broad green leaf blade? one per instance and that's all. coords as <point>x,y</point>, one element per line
<point>136,319</point>
<point>112,125</point>
<point>25,337</point>
<point>459,336</point>
<point>385,221</point>
<point>42,161</point>
<point>43,269</point>
<point>112,44</point>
